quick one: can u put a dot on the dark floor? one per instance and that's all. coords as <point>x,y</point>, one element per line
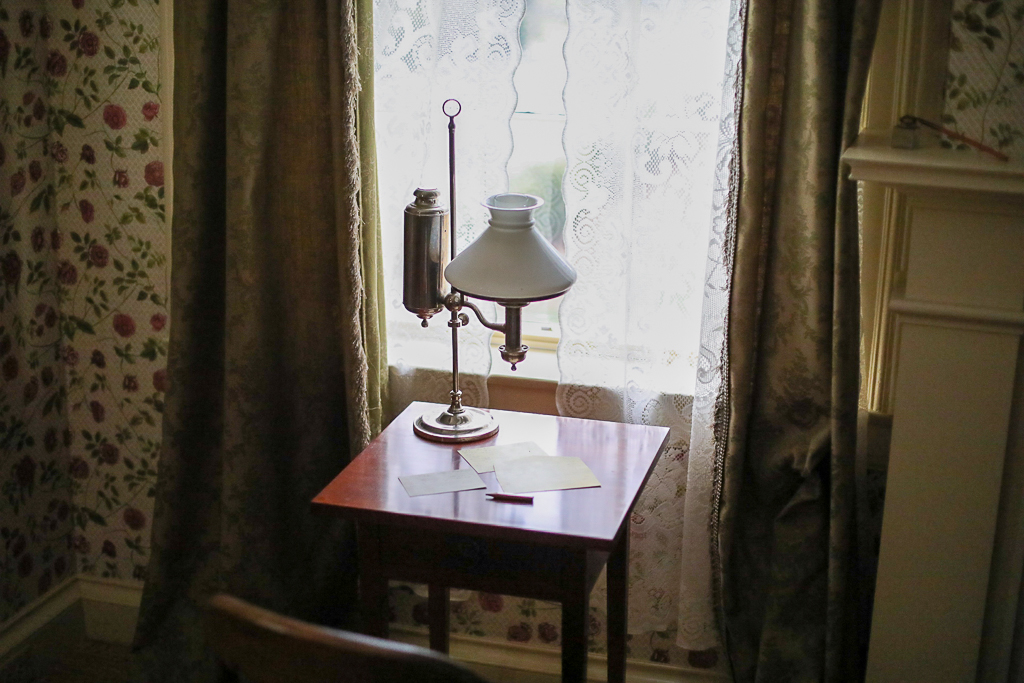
<point>90,661</point>
<point>85,661</point>
<point>60,653</point>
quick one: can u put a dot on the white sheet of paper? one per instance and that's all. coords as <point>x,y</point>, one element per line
<point>482,458</point>
<point>441,482</point>
<point>543,473</point>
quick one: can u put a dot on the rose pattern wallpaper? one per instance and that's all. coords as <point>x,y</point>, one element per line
<point>83,290</point>
<point>985,77</point>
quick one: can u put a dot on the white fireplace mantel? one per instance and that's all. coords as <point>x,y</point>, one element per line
<point>952,316</point>
<point>935,168</point>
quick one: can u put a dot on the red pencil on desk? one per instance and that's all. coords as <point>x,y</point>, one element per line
<point>510,498</point>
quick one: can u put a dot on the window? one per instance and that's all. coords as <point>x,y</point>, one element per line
<point>426,53</point>
<point>641,136</point>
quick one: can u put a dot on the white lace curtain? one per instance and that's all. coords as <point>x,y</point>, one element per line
<point>642,139</point>
<point>425,52</point>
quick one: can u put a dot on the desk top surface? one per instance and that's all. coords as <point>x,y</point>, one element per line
<point>621,455</point>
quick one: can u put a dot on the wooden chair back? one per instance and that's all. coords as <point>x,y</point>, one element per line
<point>265,647</point>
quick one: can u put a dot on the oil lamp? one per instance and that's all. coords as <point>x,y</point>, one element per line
<point>510,264</point>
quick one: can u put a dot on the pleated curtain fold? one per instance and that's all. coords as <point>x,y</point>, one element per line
<point>276,363</point>
<point>785,534</point>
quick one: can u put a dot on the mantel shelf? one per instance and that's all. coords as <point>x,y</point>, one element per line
<point>935,168</point>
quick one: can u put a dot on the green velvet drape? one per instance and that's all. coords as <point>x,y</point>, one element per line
<point>277,357</point>
<point>786,523</point>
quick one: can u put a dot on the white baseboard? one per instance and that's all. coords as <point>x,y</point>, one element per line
<point>38,614</point>
<point>112,591</point>
<point>111,611</point>
<point>111,608</point>
<point>548,662</point>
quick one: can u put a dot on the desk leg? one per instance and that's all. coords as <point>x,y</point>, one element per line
<point>438,615</point>
<point>373,582</point>
<point>575,618</point>
<point>618,594</point>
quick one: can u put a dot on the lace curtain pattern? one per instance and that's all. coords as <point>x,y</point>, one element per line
<point>642,109</point>
<point>427,51</point>
<point>697,624</point>
<point>642,136</point>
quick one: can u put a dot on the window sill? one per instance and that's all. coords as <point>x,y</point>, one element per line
<point>539,364</point>
<point>530,389</point>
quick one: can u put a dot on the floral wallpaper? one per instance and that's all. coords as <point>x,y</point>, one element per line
<point>83,290</point>
<point>985,77</point>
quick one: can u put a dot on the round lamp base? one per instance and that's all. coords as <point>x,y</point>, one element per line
<point>471,424</point>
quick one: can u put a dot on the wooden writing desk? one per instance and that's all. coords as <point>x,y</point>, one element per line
<point>551,550</point>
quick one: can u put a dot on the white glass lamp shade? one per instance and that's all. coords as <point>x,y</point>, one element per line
<point>511,261</point>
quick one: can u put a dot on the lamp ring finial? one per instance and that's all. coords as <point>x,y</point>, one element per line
<point>445,108</point>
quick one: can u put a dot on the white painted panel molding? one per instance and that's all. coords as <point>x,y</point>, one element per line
<point>997,317</point>
<point>942,286</point>
<point>945,365</point>
<point>965,253</point>
<point>934,168</point>
<point>950,422</point>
